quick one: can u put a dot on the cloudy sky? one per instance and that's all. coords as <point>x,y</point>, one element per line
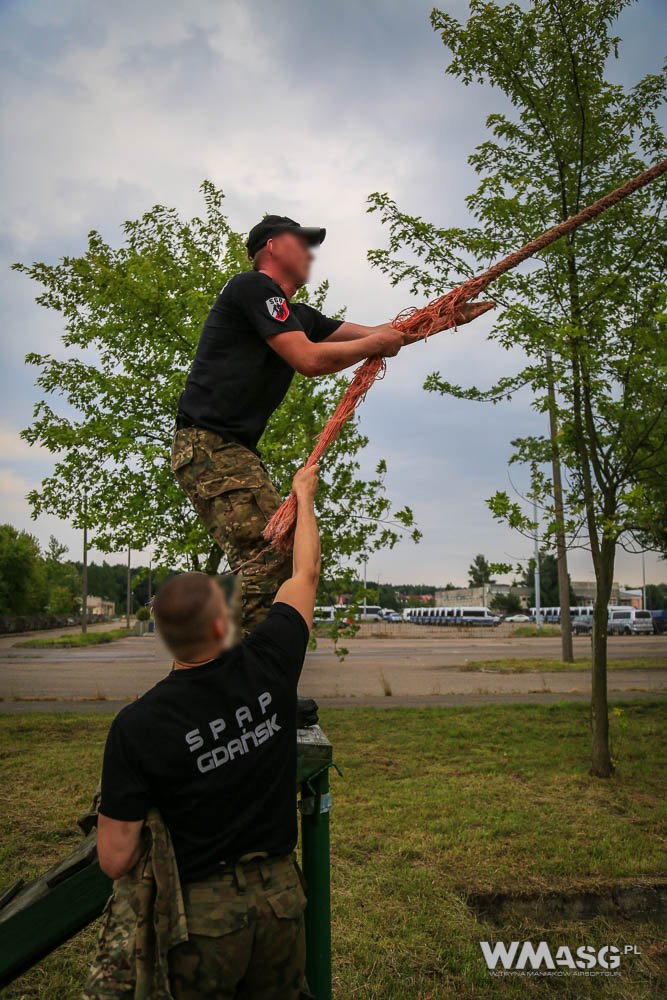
<point>292,106</point>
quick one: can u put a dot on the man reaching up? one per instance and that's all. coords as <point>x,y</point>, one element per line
<point>213,747</point>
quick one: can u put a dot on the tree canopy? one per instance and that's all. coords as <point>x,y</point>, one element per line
<point>132,316</point>
<point>591,308</point>
<point>32,582</point>
<point>549,595</point>
<point>479,571</point>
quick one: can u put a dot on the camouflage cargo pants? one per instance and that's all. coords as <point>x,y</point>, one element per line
<point>233,495</point>
<point>246,935</point>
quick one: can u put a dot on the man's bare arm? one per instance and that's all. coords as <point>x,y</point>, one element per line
<point>352,343</point>
<point>118,845</point>
<point>353,331</point>
<point>327,357</point>
<point>300,589</point>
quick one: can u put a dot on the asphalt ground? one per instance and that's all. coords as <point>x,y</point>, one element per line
<point>384,672</point>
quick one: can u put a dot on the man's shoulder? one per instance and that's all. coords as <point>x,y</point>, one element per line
<point>283,625</point>
<point>135,714</point>
<point>248,281</point>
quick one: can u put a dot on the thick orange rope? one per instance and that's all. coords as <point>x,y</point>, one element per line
<point>438,315</point>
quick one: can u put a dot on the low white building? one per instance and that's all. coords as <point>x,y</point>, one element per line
<point>99,607</point>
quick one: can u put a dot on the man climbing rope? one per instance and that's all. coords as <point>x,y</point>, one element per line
<point>253,341</point>
<point>212,748</point>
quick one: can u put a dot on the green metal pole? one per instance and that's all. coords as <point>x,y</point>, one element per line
<point>316,868</point>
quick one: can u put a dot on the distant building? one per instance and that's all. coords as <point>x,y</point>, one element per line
<point>99,607</point>
<point>478,597</point>
<point>633,597</point>
<point>405,599</point>
<point>584,591</point>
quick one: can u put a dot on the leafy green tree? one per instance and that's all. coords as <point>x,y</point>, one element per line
<point>132,316</point>
<point>652,529</point>
<point>108,581</point>
<point>63,580</point>
<point>594,301</point>
<point>549,593</point>
<point>507,604</point>
<point>387,596</point>
<point>479,572</point>
<point>656,596</point>
<point>23,585</point>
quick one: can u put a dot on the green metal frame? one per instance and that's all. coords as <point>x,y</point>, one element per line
<point>38,917</point>
<point>315,805</point>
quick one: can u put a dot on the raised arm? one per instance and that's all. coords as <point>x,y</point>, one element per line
<point>300,589</point>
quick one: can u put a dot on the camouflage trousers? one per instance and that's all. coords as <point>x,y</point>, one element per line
<point>246,935</point>
<point>234,497</point>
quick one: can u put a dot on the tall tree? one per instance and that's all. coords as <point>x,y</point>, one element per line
<point>132,317</point>
<point>595,300</point>
<point>549,585</point>
<point>656,596</point>
<point>63,580</point>
<point>479,571</point>
<point>507,604</point>
<point>23,585</point>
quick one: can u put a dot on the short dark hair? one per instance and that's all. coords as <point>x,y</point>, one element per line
<point>183,610</point>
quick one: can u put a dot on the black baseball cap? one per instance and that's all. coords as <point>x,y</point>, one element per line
<point>271,225</point>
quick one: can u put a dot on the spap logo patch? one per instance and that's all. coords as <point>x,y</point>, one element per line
<point>277,307</point>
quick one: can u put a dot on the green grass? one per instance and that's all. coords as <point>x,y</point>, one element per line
<point>530,631</point>
<point>74,639</point>
<point>434,804</point>
<point>516,665</point>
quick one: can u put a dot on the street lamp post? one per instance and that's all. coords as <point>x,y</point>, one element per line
<point>84,569</point>
<point>538,610</point>
<point>365,567</point>
<point>644,605</point>
<point>128,612</point>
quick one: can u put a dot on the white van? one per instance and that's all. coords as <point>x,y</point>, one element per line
<point>475,616</point>
<point>629,621</point>
<point>324,613</point>
<point>371,613</point>
<point>453,616</point>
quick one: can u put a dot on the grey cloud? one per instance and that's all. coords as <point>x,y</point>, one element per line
<point>294,106</point>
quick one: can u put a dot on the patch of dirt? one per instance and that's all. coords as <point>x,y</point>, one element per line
<point>638,901</point>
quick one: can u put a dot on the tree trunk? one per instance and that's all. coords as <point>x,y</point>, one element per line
<point>567,651</point>
<point>84,579</point>
<point>128,595</point>
<point>601,765</point>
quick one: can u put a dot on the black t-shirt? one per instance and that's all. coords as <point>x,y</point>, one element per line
<point>214,749</point>
<point>237,380</point>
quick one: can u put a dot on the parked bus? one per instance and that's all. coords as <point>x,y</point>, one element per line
<point>443,616</point>
<point>551,615</point>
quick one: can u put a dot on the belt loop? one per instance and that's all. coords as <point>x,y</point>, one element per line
<point>241,883</point>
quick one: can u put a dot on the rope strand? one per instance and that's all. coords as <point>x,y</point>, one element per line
<point>441,314</point>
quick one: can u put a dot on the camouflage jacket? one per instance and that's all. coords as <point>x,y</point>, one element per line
<point>143,919</point>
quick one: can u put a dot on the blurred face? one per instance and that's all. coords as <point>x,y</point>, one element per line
<point>294,255</point>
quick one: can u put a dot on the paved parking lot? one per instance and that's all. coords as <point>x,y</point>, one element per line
<point>387,671</point>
